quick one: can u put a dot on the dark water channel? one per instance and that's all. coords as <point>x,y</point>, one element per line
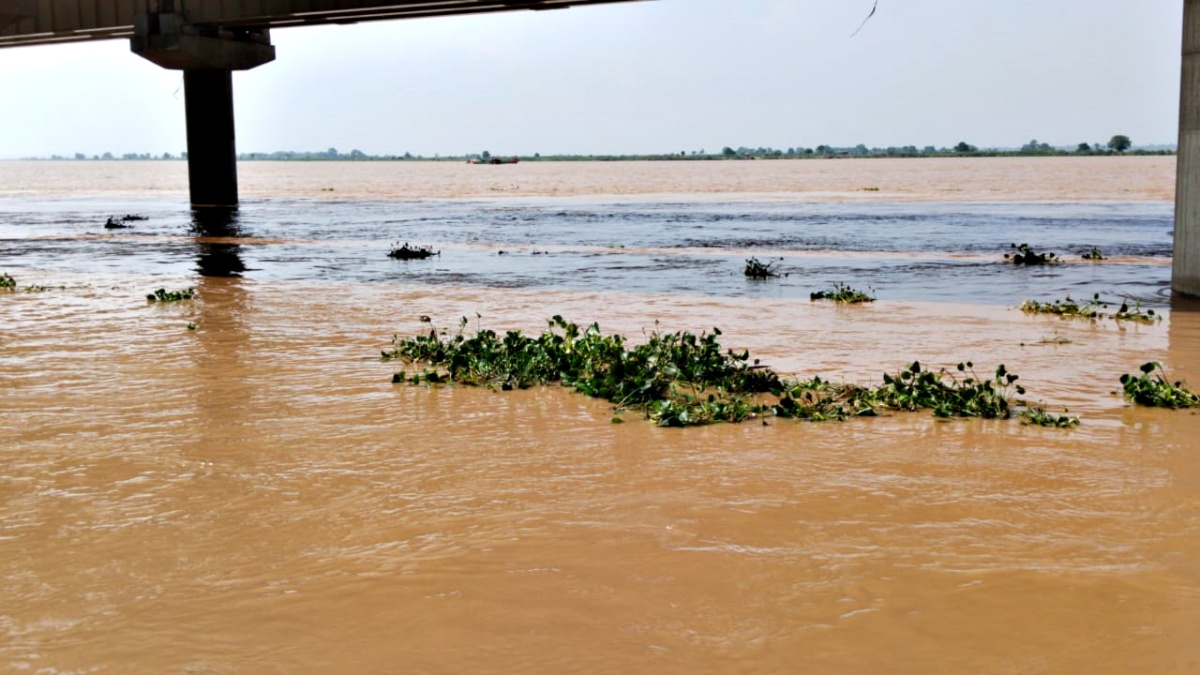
<point>941,252</point>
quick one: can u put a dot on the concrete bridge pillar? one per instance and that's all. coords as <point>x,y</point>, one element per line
<point>207,58</point>
<point>1185,266</point>
<point>212,150</point>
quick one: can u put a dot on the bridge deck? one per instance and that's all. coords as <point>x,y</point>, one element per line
<point>26,22</point>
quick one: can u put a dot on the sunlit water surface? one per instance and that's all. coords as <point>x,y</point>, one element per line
<point>256,496</point>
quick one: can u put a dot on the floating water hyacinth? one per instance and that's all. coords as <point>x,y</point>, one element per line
<point>1153,389</point>
<point>684,379</point>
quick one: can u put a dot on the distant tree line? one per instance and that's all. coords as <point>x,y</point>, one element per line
<point>108,156</point>
<point>1119,144</point>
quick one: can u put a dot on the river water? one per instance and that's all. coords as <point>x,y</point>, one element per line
<point>256,496</point>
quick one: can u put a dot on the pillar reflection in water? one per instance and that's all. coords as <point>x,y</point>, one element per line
<point>217,256</point>
<point>222,364</point>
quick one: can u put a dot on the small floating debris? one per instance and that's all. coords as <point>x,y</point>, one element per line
<point>1027,256</point>
<point>1094,255</point>
<point>1038,416</point>
<point>163,295</point>
<point>6,281</point>
<point>843,294</point>
<point>407,252</point>
<point>756,269</point>
<point>119,222</point>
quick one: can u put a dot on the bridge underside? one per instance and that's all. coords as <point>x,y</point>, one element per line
<point>30,22</point>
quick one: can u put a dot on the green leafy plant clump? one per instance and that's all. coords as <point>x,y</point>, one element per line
<point>1025,255</point>
<point>946,395</point>
<point>842,293</point>
<point>1153,389</point>
<point>163,295</point>
<point>756,269</point>
<point>407,252</point>
<point>684,379</point>
<point>1095,255</point>
<point>7,281</point>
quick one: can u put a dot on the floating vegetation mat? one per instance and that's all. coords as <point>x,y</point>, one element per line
<point>6,281</point>
<point>1068,308</point>
<point>684,379</point>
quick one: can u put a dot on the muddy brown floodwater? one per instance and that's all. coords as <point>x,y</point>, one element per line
<point>255,496</point>
<point>1084,179</point>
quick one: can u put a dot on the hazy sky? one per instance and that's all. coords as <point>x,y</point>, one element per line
<point>661,76</point>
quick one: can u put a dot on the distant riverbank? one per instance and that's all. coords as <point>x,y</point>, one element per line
<point>728,154</point>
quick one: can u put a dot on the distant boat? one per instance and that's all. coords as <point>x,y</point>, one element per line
<point>494,160</point>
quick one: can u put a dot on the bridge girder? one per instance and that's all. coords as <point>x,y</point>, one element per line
<point>29,22</point>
